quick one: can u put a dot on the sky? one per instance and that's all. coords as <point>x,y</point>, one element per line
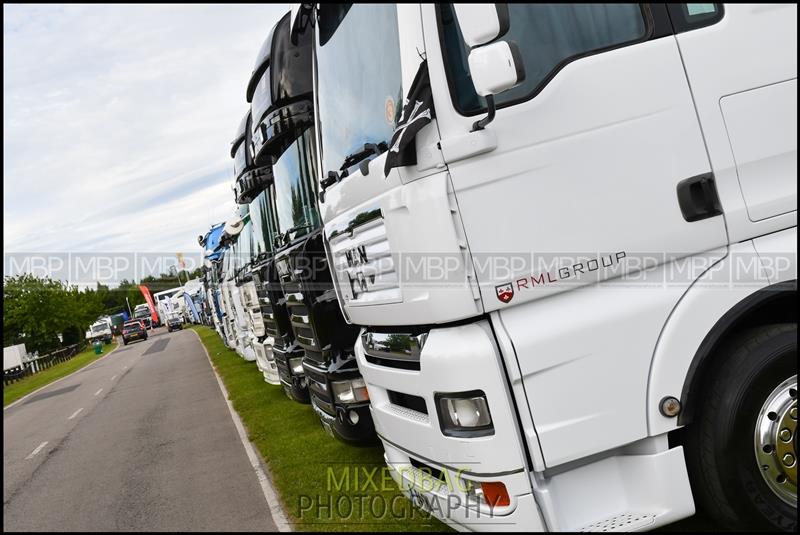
<point>117,122</point>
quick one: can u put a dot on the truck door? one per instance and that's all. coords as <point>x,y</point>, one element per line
<point>742,62</point>
<point>590,149</point>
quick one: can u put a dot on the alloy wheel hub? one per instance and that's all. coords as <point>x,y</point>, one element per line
<point>775,441</point>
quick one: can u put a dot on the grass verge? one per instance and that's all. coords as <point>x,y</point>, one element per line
<point>14,391</point>
<point>308,466</point>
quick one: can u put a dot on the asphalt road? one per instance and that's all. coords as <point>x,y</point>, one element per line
<point>141,440</point>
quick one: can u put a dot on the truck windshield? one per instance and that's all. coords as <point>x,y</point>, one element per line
<point>234,264</point>
<point>99,328</point>
<point>261,216</point>
<point>244,244</point>
<point>358,71</point>
<point>295,201</point>
<point>226,263</point>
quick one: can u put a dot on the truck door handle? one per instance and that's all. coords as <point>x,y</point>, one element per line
<point>697,197</point>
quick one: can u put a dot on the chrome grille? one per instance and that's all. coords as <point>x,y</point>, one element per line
<point>362,261</point>
<point>268,314</point>
<point>301,321</point>
<point>257,322</point>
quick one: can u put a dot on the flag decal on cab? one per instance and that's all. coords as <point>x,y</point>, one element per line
<point>417,112</point>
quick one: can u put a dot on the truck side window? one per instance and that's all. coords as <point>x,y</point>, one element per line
<point>687,17</point>
<point>549,36</point>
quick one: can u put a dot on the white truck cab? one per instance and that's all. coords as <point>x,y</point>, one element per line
<point>569,234</point>
<point>253,194</point>
<point>100,330</point>
<point>235,316</point>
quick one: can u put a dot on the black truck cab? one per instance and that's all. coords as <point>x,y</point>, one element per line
<point>279,112</point>
<point>317,350</point>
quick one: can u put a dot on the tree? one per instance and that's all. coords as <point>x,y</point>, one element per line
<point>37,310</point>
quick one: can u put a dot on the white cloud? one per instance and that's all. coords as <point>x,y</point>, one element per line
<point>118,121</point>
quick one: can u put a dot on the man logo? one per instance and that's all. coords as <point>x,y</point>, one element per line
<point>356,256</point>
<point>505,292</point>
<point>360,283</point>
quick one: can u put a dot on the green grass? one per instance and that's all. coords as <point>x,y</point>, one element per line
<point>14,391</point>
<point>303,460</point>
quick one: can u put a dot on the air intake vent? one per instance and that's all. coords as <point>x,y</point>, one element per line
<point>408,401</point>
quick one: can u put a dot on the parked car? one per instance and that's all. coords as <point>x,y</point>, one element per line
<point>133,330</point>
<point>174,322</point>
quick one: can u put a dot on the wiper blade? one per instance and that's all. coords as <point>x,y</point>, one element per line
<point>350,160</point>
<point>285,236</point>
<point>368,150</point>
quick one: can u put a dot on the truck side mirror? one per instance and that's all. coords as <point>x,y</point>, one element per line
<point>481,23</point>
<point>495,66</point>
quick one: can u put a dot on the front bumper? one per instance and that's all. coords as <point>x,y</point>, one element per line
<point>295,386</point>
<point>266,361</point>
<point>452,359</point>
<point>445,498</point>
<point>637,487</point>
<point>245,349</point>
<point>349,422</point>
<point>341,426</point>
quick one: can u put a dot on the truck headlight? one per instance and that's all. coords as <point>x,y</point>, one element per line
<point>296,365</point>
<point>350,391</point>
<point>464,414</point>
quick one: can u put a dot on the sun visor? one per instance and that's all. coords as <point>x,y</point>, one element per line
<point>262,61</point>
<point>282,107</point>
<point>251,183</point>
<point>241,149</point>
<point>241,133</point>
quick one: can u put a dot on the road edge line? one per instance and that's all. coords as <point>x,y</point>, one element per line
<point>262,472</point>
<point>29,394</point>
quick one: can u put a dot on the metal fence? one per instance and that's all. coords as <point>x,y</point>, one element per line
<point>33,366</point>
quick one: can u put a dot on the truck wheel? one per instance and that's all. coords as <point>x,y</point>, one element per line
<point>741,449</point>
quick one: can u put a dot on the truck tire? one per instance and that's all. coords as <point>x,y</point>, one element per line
<point>741,449</point>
